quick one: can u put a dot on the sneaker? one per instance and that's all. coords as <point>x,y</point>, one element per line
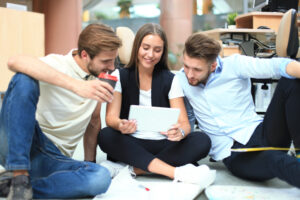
<point>5,180</point>
<point>113,167</point>
<point>200,175</point>
<point>20,188</point>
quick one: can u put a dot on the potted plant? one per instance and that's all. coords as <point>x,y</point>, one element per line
<point>124,8</point>
<point>231,19</point>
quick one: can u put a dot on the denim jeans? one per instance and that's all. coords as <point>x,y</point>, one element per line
<point>24,146</point>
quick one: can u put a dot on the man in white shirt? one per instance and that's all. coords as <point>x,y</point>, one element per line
<point>219,95</point>
<point>50,104</point>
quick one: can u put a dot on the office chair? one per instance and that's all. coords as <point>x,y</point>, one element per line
<point>287,44</point>
<point>127,37</point>
<point>287,41</point>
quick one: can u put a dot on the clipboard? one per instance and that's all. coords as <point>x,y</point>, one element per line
<point>154,119</point>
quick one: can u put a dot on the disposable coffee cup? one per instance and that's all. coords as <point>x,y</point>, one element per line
<point>112,80</point>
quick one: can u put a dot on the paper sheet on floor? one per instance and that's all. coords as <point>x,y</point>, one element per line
<point>124,187</point>
<point>222,192</point>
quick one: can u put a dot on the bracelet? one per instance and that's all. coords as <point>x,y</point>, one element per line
<point>182,132</point>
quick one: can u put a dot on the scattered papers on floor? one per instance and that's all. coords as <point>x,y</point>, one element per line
<point>225,192</point>
<point>124,187</point>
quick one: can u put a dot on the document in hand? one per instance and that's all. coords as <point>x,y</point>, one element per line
<point>154,119</point>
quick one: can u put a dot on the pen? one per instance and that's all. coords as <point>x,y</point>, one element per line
<point>143,187</point>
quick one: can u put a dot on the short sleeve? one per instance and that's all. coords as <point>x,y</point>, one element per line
<point>118,87</point>
<point>176,90</point>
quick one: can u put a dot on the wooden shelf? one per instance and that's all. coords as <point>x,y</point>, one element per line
<point>253,20</point>
<point>215,33</point>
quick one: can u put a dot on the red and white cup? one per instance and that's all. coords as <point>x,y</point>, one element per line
<point>112,80</point>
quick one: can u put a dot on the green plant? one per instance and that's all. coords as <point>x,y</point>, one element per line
<point>100,15</point>
<point>124,6</point>
<point>231,18</point>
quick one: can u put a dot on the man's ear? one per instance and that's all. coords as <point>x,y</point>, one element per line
<point>213,66</point>
<point>84,55</point>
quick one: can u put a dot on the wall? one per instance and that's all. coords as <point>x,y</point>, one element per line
<point>20,33</point>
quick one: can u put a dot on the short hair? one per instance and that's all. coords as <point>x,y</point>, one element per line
<point>149,29</point>
<point>201,46</point>
<point>96,38</point>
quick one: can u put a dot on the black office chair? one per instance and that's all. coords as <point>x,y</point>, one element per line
<point>287,44</point>
<point>287,40</point>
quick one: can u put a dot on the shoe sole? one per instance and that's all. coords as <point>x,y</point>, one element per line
<point>5,181</point>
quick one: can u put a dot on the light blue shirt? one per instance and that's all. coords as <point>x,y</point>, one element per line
<point>224,107</point>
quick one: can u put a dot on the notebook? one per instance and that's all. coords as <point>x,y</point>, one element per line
<point>156,119</point>
<point>124,187</point>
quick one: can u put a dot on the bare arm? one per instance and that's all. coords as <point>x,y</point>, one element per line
<point>112,116</point>
<point>91,134</point>
<point>41,71</point>
<point>174,133</point>
<point>293,69</point>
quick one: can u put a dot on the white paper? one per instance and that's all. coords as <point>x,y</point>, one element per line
<point>222,192</point>
<point>124,187</point>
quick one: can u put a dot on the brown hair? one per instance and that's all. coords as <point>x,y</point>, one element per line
<point>147,29</point>
<point>202,47</point>
<point>96,38</point>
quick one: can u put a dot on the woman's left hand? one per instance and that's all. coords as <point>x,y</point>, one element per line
<point>174,133</point>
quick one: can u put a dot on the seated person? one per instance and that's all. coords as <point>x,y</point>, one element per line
<point>220,89</point>
<point>50,104</point>
<point>147,81</point>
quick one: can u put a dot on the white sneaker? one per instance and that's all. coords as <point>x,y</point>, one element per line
<point>200,175</point>
<point>115,167</point>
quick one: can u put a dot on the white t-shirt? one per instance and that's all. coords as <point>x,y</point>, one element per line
<point>145,100</point>
<point>63,115</point>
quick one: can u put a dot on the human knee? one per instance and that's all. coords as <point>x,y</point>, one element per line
<point>203,141</point>
<point>106,136</point>
<point>98,180</point>
<point>25,86</point>
<point>286,83</point>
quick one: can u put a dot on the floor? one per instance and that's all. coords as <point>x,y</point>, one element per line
<point>223,176</point>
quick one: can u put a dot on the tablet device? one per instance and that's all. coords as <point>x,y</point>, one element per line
<point>157,119</point>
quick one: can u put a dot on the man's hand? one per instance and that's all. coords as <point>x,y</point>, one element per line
<point>127,126</point>
<point>94,89</point>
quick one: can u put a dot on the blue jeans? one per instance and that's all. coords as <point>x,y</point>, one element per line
<point>23,146</point>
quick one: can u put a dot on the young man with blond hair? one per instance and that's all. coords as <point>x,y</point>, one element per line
<point>50,104</point>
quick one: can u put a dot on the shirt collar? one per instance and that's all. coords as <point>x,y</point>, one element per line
<point>82,74</point>
<point>219,65</point>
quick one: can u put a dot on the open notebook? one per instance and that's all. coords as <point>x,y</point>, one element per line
<point>124,187</point>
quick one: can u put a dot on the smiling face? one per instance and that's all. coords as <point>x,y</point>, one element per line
<point>150,51</point>
<point>197,70</point>
<point>102,62</point>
